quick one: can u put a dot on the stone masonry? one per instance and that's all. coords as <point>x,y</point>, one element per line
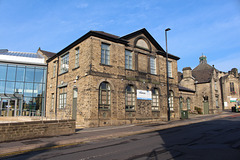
<point>88,77</point>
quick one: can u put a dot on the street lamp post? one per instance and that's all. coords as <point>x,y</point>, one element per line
<point>168,107</point>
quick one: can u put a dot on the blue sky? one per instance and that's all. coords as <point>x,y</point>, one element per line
<point>209,27</point>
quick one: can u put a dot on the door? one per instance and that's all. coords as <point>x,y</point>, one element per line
<point>9,107</point>
<point>74,106</point>
<point>205,107</point>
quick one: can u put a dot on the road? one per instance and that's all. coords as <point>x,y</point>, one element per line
<point>217,139</point>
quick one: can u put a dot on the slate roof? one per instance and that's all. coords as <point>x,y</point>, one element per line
<point>20,54</point>
<point>47,53</point>
<point>181,88</point>
<point>114,38</point>
<point>203,73</point>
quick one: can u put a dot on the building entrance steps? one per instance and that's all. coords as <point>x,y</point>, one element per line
<point>85,135</point>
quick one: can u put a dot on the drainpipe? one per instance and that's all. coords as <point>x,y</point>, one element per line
<point>56,89</point>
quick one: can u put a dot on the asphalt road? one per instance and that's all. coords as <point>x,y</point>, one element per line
<point>213,140</point>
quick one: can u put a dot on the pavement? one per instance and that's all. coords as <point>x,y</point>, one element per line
<point>86,135</point>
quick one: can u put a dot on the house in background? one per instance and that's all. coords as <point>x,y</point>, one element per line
<point>230,86</point>
<point>103,79</point>
<point>213,89</point>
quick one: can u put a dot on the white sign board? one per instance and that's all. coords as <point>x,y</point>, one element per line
<point>233,99</point>
<point>144,95</point>
<point>225,104</point>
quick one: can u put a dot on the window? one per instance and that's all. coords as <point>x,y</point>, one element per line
<point>64,63</point>
<point>130,98</point>
<point>52,102</point>
<point>104,96</point>
<point>171,100</point>
<point>232,91</point>
<point>105,54</point>
<point>180,103</point>
<point>155,99</point>
<point>169,69</point>
<point>77,57</point>
<point>215,85</point>
<point>62,97</point>
<point>128,59</point>
<point>188,104</point>
<point>152,65</point>
<point>54,69</point>
<point>216,101</point>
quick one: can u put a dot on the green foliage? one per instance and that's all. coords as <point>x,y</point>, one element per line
<point>199,110</point>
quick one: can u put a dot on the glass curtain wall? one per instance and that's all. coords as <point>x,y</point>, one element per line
<point>25,85</point>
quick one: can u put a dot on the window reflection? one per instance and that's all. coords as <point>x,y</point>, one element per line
<point>9,88</point>
<point>37,89</point>
<point>26,84</point>
<point>3,70</point>
<point>19,87</point>
<point>2,86</point>
<point>38,75</point>
<point>29,74</point>
<point>20,74</point>
<point>11,72</point>
<point>28,89</point>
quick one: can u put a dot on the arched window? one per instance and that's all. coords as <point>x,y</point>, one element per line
<point>104,96</point>
<point>180,103</point>
<point>171,100</point>
<point>188,104</point>
<point>130,98</point>
<point>155,99</point>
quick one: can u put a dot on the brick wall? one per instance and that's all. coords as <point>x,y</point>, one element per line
<point>35,129</point>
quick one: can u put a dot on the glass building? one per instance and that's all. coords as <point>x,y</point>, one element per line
<point>22,84</point>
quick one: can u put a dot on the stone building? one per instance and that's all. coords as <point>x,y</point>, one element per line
<point>230,86</point>
<point>204,80</point>
<point>214,89</point>
<point>102,79</point>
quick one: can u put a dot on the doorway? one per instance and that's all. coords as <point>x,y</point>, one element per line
<point>205,105</point>
<point>9,107</point>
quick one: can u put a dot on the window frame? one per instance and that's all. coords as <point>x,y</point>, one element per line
<point>188,101</point>
<point>131,106</point>
<point>170,75</point>
<point>54,69</point>
<point>128,59</point>
<point>153,69</point>
<point>62,98</point>
<point>77,53</point>
<point>155,105</point>
<point>171,100</point>
<point>64,61</point>
<point>107,105</point>
<point>105,52</point>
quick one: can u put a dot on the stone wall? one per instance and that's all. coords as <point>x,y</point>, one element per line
<point>35,129</point>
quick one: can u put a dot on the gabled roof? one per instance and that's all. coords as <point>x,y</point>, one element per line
<point>99,34</point>
<point>47,53</point>
<point>152,40</point>
<point>117,39</point>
